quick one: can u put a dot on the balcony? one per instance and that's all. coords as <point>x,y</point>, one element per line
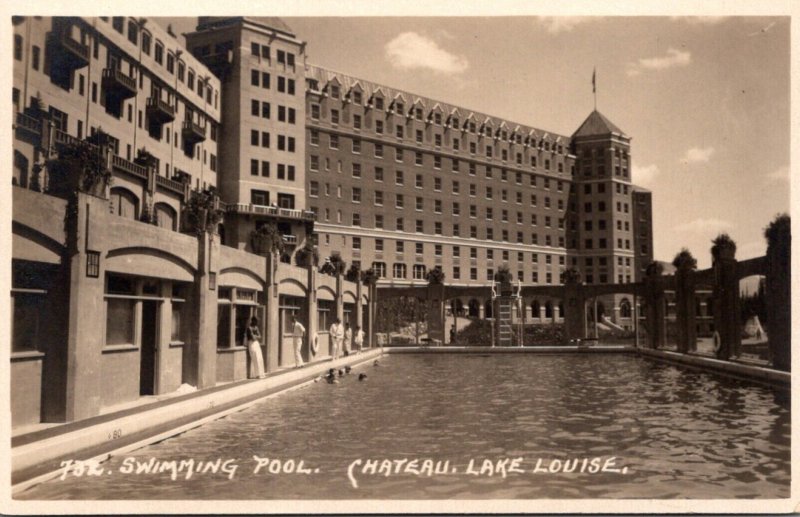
<point>159,111</point>
<point>121,164</point>
<point>219,63</point>
<point>290,240</point>
<point>281,213</point>
<point>193,133</point>
<point>118,85</point>
<point>28,125</point>
<point>67,52</point>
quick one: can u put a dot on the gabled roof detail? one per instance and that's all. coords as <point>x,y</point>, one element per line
<point>597,125</point>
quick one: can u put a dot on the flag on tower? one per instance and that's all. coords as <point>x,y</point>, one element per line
<point>594,82</point>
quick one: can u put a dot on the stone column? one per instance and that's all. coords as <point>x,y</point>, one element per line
<point>726,306</point>
<point>655,310</point>
<point>575,309</point>
<point>778,294</point>
<point>85,330</point>
<point>436,312</point>
<point>311,309</point>
<point>271,333</point>
<point>685,310</point>
<point>201,356</point>
<point>340,299</point>
<point>163,338</point>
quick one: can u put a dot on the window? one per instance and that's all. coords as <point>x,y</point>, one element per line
<point>313,189</point>
<point>398,202</point>
<point>398,177</point>
<point>378,173</point>
<point>378,244</point>
<point>419,271</point>
<point>334,142</point>
<point>380,269</point>
<point>379,127</point>
<point>379,197</point>
<point>357,121</point>
<point>159,56</point>
<point>17,47</point>
<point>399,271</point>
<point>315,111</point>
<point>259,197</point>
<point>35,57</point>
<point>356,195</point>
<point>334,116</point>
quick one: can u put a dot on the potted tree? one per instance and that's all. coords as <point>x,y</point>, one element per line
<point>435,276</point>
<point>571,275</point>
<point>266,240</point>
<point>307,256</point>
<point>684,261</point>
<point>353,274</point>
<point>334,265</point>
<point>723,247</point>
<point>79,167</point>
<point>369,277</point>
<point>202,212</point>
<point>504,277</point>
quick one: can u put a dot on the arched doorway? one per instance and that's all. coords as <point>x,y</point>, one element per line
<point>473,308</point>
<point>536,310</point>
<point>625,308</point>
<point>487,309</point>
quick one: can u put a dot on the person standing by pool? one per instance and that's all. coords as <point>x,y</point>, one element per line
<point>337,336</point>
<point>254,349</point>
<point>298,330</point>
<point>348,338</point>
<point>358,338</point>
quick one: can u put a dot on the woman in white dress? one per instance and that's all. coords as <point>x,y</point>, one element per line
<point>254,348</point>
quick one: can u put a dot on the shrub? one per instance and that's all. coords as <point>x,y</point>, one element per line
<point>684,260</point>
<point>435,276</point>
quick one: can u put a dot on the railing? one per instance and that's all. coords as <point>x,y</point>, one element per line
<point>193,131</point>
<point>131,168</point>
<point>29,123</point>
<point>165,109</point>
<point>114,77</point>
<point>75,48</point>
<point>244,208</point>
<point>62,138</point>
<point>175,186</point>
<point>289,239</point>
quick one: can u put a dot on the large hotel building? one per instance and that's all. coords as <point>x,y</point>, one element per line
<point>113,296</point>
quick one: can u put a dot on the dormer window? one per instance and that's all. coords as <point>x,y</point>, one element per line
<point>379,103</point>
<point>357,97</point>
<point>398,107</point>
<point>335,93</point>
<point>418,113</point>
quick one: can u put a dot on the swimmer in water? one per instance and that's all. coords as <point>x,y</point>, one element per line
<point>347,369</point>
<point>375,363</point>
<point>362,376</point>
<point>341,373</point>
<point>331,377</point>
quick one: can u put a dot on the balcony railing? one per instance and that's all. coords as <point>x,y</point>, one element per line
<point>193,132</point>
<point>119,84</point>
<point>28,123</point>
<point>285,213</point>
<point>71,54</point>
<point>120,163</point>
<point>62,138</point>
<point>174,186</point>
<point>160,111</point>
<point>289,239</point>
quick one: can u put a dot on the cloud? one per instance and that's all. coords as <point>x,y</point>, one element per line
<point>778,175</point>
<point>673,58</point>
<point>703,226</point>
<point>557,24</point>
<point>698,155</point>
<point>645,175</point>
<point>410,50</point>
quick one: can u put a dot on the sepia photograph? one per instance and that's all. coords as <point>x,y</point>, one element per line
<point>333,258</point>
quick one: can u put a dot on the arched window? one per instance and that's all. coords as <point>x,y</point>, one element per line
<point>535,309</point>
<point>398,270</point>
<point>380,269</point>
<point>419,271</point>
<point>625,308</point>
<point>166,216</point>
<point>548,310</point>
<point>124,203</point>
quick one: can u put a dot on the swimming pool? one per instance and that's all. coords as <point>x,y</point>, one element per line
<point>473,427</point>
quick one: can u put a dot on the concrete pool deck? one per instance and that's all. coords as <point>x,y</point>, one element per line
<point>36,456</point>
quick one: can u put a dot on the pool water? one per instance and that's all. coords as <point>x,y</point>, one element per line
<point>675,433</point>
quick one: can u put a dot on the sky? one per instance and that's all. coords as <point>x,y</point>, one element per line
<point>705,100</point>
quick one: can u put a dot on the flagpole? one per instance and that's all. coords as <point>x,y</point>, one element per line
<point>594,87</point>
